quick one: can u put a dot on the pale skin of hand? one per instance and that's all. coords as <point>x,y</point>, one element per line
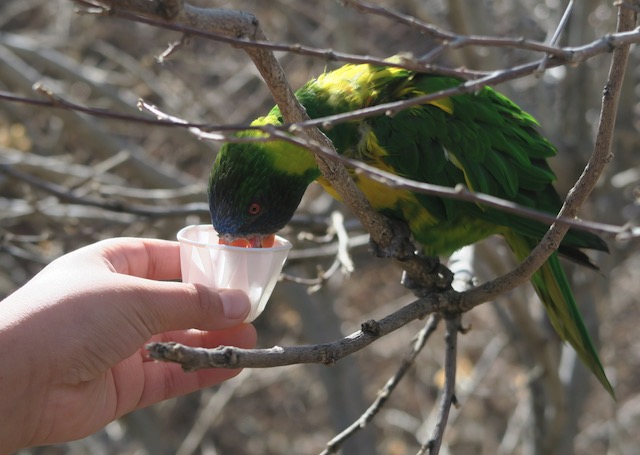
<point>72,339</point>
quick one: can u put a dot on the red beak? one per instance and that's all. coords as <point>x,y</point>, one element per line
<point>253,241</point>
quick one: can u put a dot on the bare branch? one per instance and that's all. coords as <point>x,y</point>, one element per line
<point>556,35</point>
<point>231,357</point>
<point>452,40</point>
<point>52,100</point>
<point>239,35</point>
<point>64,194</point>
<point>341,262</point>
<point>432,447</point>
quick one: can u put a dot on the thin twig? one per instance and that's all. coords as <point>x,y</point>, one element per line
<point>452,40</point>
<point>556,36</point>
<point>383,395</point>
<point>52,100</point>
<point>337,221</point>
<point>67,195</point>
<point>432,446</point>
<point>342,260</point>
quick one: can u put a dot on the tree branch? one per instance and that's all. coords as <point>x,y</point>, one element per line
<point>193,358</point>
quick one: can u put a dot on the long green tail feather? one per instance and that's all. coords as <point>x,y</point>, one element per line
<point>552,286</point>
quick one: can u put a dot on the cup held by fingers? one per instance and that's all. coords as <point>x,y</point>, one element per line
<point>205,261</point>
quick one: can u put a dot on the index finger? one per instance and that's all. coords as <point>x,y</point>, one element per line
<point>145,258</point>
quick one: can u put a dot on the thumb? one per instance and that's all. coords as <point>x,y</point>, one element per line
<point>167,306</point>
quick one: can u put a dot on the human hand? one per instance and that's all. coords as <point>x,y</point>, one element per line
<point>72,339</point>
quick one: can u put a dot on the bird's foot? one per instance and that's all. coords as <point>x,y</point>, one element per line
<point>432,276</point>
<point>400,247</point>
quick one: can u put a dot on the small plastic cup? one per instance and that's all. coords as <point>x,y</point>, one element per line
<point>254,270</point>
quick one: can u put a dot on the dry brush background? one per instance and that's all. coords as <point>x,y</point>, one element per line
<point>60,169</point>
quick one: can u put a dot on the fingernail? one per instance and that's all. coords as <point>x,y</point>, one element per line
<point>235,304</point>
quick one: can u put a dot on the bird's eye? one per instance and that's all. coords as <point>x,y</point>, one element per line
<point>254,208</point>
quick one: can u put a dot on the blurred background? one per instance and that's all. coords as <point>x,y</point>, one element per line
<point>68,179</point>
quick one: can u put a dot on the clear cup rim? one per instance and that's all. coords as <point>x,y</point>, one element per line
<point>284,243</point>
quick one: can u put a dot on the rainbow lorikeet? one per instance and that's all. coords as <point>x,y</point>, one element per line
<point>482,140</point>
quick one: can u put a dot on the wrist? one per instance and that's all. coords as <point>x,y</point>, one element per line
<point>22,391</point>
